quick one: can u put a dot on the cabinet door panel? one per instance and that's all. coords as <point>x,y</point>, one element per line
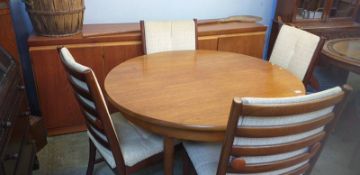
<point>116,54</point>
<point>91,57</point>
<point>208,43</point>
<point>19,124</point>
<point>57,102</point>
<point>7,35</point>
<point>249,44</point>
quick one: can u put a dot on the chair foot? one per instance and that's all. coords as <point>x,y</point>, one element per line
<point>92,155</point>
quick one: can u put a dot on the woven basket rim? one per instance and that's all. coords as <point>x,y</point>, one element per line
<point>42,12</point>
<point>59,35</point>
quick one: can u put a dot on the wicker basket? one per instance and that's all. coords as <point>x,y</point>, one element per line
<point>56,17</point>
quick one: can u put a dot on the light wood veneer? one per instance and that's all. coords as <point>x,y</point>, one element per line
<point>188,94</point>
<point>104,46</point>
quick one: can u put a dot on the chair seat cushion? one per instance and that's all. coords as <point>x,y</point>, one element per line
<point>135,143</point>
<point>205,158</point>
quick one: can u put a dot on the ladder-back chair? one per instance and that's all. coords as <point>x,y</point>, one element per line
<point>124,147</point>
<point>271,136</point>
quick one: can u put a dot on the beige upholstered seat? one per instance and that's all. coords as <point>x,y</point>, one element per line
<point>205,156</point>
<point>159,36</point>
<point>135,144</point>
<point>295,50</point>
<point>120,143</point>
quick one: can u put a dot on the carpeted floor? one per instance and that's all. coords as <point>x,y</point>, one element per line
<point>68,154</point>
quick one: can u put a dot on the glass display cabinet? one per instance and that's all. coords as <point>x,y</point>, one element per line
<point>327,18</point>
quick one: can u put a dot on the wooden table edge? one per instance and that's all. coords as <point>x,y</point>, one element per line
<point>186,132</point>
<point>346,62</point>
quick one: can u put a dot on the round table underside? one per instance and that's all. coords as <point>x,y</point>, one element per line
<point>188,94</point>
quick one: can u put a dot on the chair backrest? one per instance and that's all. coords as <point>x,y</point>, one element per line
<point>297,51</point>
<point>279,135</point>
<point>160,36</point>
<point>93,106</point>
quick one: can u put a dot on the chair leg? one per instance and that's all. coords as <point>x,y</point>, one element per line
<point>188,168</point>
<point>186,163</point>
<point>92,156</point>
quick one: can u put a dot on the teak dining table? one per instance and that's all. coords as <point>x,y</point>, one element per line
<point>186,95</point>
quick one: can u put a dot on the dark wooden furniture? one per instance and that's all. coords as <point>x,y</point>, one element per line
<point>301,142</point>
<point>344,52</point>
<point>102,51</point>
<point>17,151</point>
<point>101,128</point>
<point>186,94</point>
<point>330,24</point>
<point>7,34</point>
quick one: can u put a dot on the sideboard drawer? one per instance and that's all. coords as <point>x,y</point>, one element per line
<point>17,124</point>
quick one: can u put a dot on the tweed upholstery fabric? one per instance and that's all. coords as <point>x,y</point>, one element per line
<point>134,146</point>
<point>205,156</point>
<point>169,35</point>
<point>294,49</point>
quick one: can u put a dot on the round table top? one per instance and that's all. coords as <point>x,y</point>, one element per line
<point>344,50</point>
<point>193,89</point>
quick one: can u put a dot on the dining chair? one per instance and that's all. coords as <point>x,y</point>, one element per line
<point>124,147</point>
<point>297,51</point>
<point>270,136</point>
<point>160,36</point>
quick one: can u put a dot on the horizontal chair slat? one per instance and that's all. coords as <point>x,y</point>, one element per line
<point>298,171</point>
<point>98,138</point>
<point>78,75</point>
<point>275,165</point>
<point>283,130</point>
<point>97,124</point>
<point>86,107</point>
<point>81,91</point>
<point>276,149</point>
<point>290,109</point>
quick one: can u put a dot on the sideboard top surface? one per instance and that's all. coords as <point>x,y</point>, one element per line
<point>131,32</point>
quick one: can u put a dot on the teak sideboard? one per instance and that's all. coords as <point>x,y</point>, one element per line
<point>102,47</point>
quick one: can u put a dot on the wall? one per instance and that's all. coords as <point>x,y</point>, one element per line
<point>135,10</point>
<point>117,11</point>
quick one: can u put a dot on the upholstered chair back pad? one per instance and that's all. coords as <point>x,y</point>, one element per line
<point>280,135</point>
<point>294,50</point>
<point>169,35</point>
<point>93,106</point>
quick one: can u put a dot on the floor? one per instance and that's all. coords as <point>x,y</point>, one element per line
<point>68,154</point>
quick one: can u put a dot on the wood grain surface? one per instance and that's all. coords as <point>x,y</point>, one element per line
<point>192,90</point>
<point>344,52</point>
<point>102,53</point>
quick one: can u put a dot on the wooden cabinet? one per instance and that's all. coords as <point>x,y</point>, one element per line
<point>17,150</point>
<point>7,34</point>
<point>327,18</point>
<point>103,51</point>
<point>317,10</point>
<point>243,44</point>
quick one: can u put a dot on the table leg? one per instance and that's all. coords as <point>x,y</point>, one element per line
<point>168,155</point>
